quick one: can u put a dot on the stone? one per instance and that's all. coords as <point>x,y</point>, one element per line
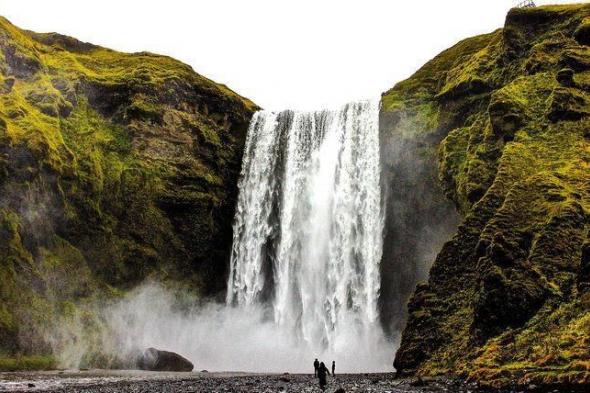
<point>154,359</point>
<point>506,117</point>
<point>8,84</point>
<point>418,382</point>
<point>575,60</point>
<point>567,104</point>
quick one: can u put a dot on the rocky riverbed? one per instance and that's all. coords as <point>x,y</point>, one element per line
<point>131,381</point>
<point>95,381</point>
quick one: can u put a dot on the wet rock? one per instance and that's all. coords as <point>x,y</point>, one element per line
<point>506,117</point>
<point>507,298</point>
<point>226,382</point>
<point>418,382</point>
<point>500,252</point>
<point>584,273</point>
<point>155,360</point>
<point>576,60</point>
<point>8,84</point>
<point>567,104</point>
<point>582,33</point>
<point>19,64</point>
<point>565,77</point>
<point>471,86</point>
<point>65,42</point>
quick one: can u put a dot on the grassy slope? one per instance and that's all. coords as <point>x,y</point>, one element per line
<point>508,297</point>
<point>114,167</point>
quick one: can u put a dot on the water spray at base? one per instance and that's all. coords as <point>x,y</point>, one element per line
<point>218,338</point>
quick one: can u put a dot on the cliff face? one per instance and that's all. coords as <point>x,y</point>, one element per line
<point>509,296</point>
<point>114,167</point>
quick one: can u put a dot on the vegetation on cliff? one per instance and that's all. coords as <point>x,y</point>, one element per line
<point>114,168</point>
<point>508,298</point>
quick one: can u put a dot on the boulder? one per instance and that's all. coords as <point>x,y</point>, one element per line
<point>153,359</point>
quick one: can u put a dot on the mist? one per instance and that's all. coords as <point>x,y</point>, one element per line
<point>419,218</point>
<point>212,336</point>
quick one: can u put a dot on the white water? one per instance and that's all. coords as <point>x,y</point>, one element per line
<point>308,226</point>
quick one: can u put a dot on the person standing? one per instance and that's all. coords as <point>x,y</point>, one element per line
<point>322,373</point>
<point>333,367</point>
<point>316,365</point>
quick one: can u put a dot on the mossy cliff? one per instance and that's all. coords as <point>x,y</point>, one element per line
<point>507,115</point>
<point>114,168</point>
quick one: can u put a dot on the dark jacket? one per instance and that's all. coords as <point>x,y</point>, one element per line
<point>322,373</point>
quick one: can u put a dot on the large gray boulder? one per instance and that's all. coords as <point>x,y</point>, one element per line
<point>153,359</point>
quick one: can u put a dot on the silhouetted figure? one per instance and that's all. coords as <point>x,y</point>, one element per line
<point>333,367</point>
<point>322,373</point>
<point>316,365</point>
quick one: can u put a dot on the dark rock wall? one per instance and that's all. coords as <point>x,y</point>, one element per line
<point>418,216</point>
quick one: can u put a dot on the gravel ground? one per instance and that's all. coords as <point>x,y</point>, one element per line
<point>95,381</point>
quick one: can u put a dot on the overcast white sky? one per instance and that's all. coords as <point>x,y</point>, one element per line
<point>300,54</point>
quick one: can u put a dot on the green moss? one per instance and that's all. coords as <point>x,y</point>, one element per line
<point>426,82</point>
<point>28,363</point>
<point>143,110</point>
<point>453,161</point>
<point>476,74</point>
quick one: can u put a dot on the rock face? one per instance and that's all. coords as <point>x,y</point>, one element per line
<point>114,167</point>
<point>507,297</point>
<point>419,218</point>
<point>153,359</point>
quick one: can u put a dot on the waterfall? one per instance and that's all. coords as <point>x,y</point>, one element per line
<point>307,237</point>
